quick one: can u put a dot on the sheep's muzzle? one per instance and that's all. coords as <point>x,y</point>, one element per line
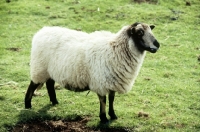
<point>155,47</point>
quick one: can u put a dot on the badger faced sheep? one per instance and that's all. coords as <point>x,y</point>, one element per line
<point>101,61</point>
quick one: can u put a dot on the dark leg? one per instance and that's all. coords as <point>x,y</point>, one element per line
<point>111,111</point>
<point>51,91</point>
<point>102,113</point>
<point>32,87</point>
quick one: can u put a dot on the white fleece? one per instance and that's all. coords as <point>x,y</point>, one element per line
<point>78,59</point>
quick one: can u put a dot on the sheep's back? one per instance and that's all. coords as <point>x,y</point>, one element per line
<point>57,53</point>
<point>63,55</point>
<point>78,60</point>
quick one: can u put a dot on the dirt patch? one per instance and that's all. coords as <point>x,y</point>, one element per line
<point>146,1</point>
<point>77,125</point>
<point>13,49</point>
<point>143,114</point>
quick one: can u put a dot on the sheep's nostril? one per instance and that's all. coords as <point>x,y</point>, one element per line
<point>156,44</point>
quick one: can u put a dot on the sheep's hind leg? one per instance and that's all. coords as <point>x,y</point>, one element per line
<point>102,113</point>
<point>111,111</point>
<point>32,87</point>
<point>51,91</point>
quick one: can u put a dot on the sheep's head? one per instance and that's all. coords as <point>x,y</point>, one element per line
<point>143,37</point>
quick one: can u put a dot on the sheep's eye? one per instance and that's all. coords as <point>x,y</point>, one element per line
<point>140,33</point>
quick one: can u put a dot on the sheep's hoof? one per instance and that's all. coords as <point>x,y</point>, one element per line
<point>112,115</point>
<point>55,102</point>
<point>104,119</point>
<point>27,106</point>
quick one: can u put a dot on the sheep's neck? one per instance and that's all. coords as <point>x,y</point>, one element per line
<point>124,57</point>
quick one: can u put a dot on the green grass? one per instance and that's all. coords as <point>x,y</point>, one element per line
<point>167,88</point>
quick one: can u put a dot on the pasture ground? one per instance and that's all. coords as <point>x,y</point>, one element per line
<point>165,96</point>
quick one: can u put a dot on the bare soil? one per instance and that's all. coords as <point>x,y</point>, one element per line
<point>13,49</point>
<point>77,125</point>
<point>146,1</point>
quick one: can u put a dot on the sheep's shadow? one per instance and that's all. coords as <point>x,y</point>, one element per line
<point>32,117</point>
<point>29,115</point>
<point>101,125</point>
<point>107,127</point>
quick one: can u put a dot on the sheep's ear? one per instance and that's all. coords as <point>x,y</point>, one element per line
<point>131,31</point>
<point>152,27</point>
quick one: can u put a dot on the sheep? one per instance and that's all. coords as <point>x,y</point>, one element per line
<point>102,62</point>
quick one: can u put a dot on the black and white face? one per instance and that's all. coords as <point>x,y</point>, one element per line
<point>143,37</point>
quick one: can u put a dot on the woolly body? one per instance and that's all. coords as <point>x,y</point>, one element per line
<point>101,61</point>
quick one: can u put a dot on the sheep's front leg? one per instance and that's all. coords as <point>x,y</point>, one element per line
<point>51,91</point>
<point>111,111</point>
<point>102,113</point>
<point>32,87</point>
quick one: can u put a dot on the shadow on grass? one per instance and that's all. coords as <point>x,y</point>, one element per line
<point>106,127</point>
<point>30,116</point>
<point>31,120</point>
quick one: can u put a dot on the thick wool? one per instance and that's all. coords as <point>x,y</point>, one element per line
<point>100,60</point>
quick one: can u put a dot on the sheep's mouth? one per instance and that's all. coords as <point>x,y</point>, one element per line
<point>153,49</point>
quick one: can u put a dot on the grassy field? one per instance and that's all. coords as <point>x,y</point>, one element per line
<point>167,88</point>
